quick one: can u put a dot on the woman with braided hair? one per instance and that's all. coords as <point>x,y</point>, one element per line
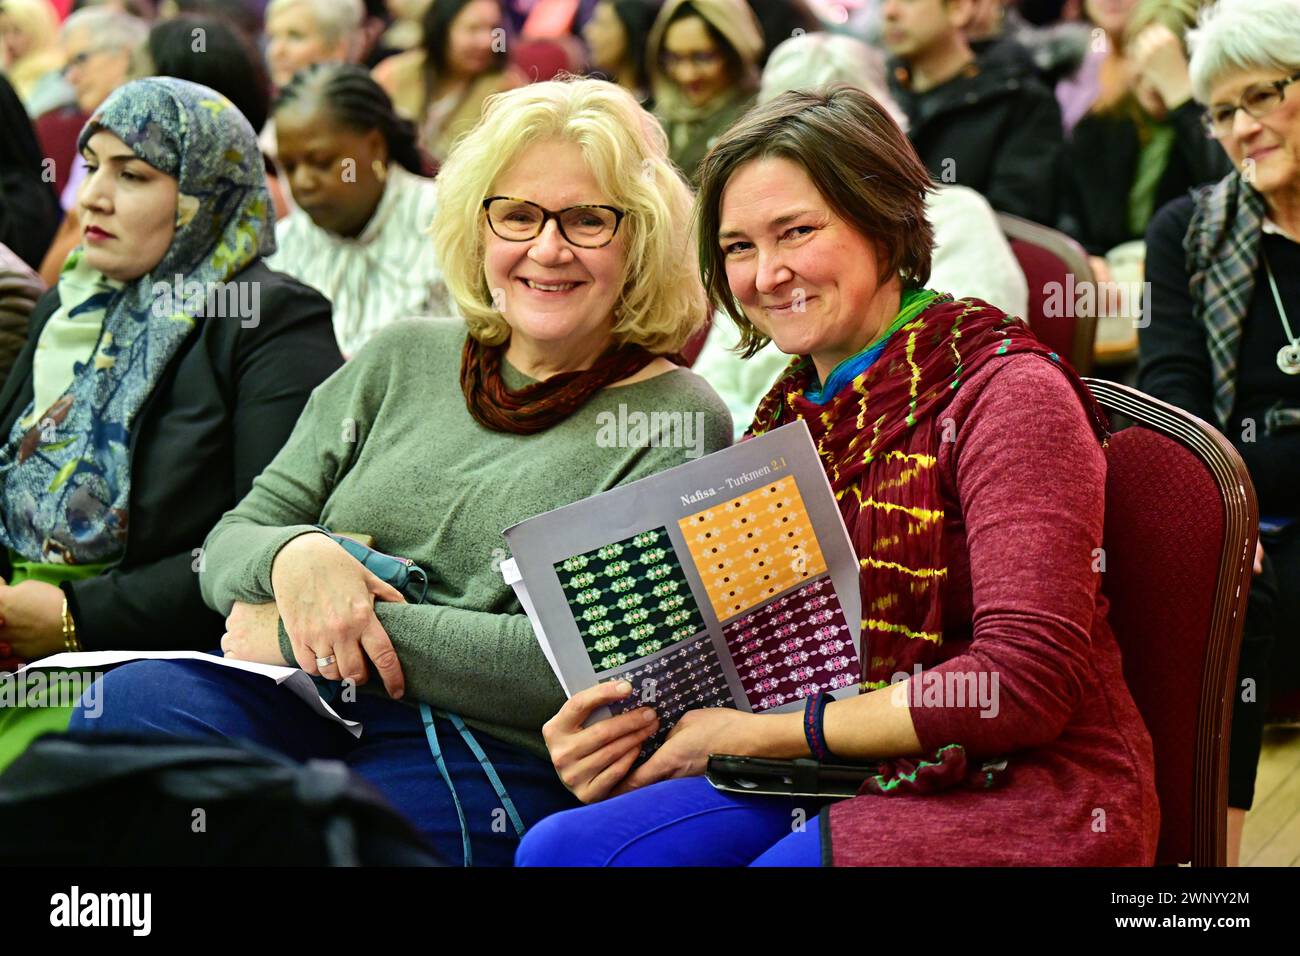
<point>358,233</point>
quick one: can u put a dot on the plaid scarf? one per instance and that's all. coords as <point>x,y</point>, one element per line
<point>1222,246</point>
<point>879,439</point>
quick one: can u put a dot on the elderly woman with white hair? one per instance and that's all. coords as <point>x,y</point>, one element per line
<point>971,255</point>
<point>561,227</point>
<point>302,32</point>
<point>1223,339</point>
<point>30,54</point>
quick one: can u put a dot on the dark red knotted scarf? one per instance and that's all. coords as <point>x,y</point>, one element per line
<point>538,406</point>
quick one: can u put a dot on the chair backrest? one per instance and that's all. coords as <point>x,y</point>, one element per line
<point>695,344</point>
<point>1054,266</point>
<point>1179,543</point>
<point>541,59</point>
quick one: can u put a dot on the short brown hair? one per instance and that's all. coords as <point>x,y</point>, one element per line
<point>862,163</point>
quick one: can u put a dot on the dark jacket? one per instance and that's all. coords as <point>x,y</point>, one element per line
<point>225,405</point>
<point>1101,163</point>
<point>1174,358</point>
<point>20,288</point>
<point>29,209</point>
<point>993,128</point>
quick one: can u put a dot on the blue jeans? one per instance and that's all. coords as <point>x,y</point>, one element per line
<point>194,699</point>
<point>678,823</point>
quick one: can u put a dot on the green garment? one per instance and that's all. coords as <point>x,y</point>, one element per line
<point>55,574</point>
<point>1152,161</point>
<point>71,334</point>
<point>21,724</point>
<point>689,140</point>
<point>386,447</point>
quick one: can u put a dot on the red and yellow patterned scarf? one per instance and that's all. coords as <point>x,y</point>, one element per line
<point>879,440</point>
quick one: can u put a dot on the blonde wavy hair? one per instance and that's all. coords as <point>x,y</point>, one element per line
<point>662,301</point>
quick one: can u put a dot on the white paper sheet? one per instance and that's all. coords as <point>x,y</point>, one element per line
<point>291,678</point>
<point>510,571</point>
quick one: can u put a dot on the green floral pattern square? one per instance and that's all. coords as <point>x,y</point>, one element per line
<point>629,599</point>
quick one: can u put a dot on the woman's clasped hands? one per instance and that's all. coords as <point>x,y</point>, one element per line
<point>326,599</point>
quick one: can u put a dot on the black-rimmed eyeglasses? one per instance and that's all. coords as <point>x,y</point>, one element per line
<point>1258,101</point>
<point>518,220</point>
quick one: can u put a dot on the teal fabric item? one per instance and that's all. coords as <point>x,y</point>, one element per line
<point>431,733</point>
<point>1153,160</point>
<point>910,305</point>
<point>65,480</point>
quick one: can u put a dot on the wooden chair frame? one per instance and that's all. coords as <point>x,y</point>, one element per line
<point>1236,561</point>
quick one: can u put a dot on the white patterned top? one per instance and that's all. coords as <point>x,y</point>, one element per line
<point>385,274</point>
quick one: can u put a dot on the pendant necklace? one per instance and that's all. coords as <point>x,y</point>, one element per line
<point>1288,356</point>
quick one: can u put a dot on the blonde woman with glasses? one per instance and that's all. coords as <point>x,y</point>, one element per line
<point>560,228</point>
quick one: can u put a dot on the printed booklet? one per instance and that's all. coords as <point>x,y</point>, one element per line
<point>728,581</point>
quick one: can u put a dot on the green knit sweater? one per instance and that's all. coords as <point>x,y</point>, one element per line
<point>386,447</point>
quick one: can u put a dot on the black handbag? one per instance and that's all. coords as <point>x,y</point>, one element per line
<point>129,800</point>
<point>801,777</point>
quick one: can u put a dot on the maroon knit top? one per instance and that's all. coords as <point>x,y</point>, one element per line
<point>1023,485</point>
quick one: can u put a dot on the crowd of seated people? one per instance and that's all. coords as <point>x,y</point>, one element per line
<point>750,211</point>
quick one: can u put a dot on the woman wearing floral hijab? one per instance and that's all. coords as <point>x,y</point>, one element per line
<point>161,375</point>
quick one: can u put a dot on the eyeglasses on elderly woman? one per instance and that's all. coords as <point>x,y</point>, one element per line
<point>1258,101</point>
<point>586,226</point>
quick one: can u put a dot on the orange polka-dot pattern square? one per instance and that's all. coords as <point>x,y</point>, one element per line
<point>750,548</point>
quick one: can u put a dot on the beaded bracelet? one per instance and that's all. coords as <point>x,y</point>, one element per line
<point>814,713</point>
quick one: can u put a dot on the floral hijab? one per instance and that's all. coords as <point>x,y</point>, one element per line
<point>65,477</point>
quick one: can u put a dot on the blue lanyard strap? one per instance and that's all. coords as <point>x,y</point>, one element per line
<point>432,734</point>
<point>488,769</point>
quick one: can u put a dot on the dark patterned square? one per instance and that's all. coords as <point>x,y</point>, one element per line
<point>688,678</point>
<point>793,646</point>
<point>629,599</point>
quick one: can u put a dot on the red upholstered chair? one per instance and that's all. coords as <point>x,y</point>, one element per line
<point>695,345</point>
<point>1179,541</point>
<point>1047,258</point>
<point>539,60</point>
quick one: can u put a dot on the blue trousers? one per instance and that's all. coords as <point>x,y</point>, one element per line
<point>194,699</point>
<point>678,823</point>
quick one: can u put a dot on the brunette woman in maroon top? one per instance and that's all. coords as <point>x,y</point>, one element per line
<point>967,459</point>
